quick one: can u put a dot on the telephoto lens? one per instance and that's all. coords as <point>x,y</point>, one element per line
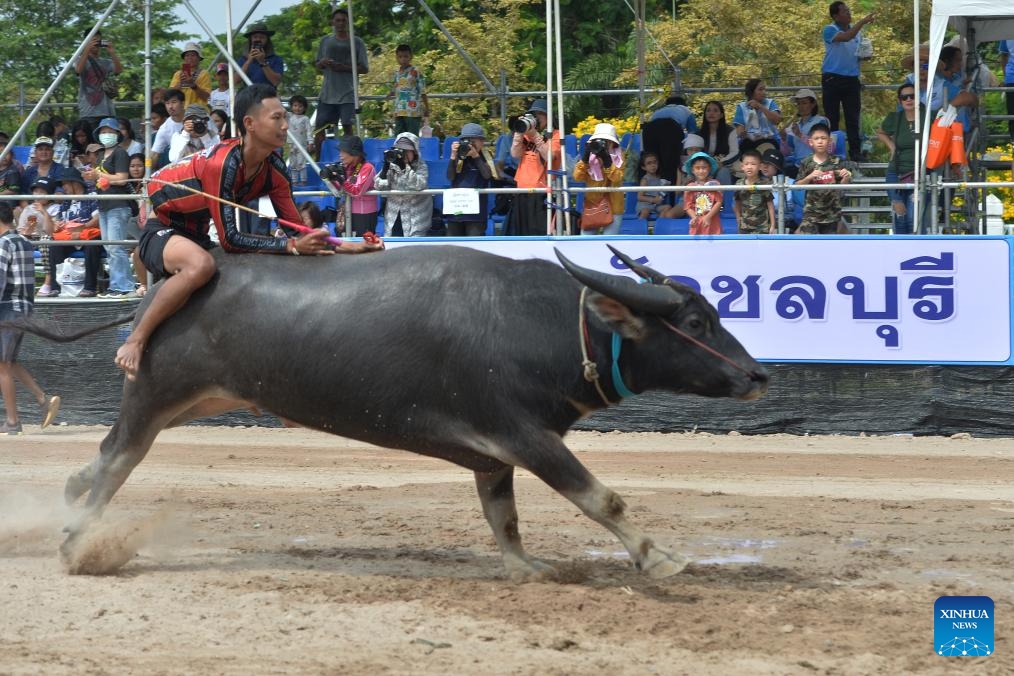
<point>464,147</point>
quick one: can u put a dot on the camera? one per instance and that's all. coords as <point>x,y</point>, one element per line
<point>334,172</point>
<point>464,147</point>
<point>200,127</point>
<point>394,156</point>
<point>596,146</point>
<point>522,123</point>
<point>103,43</point>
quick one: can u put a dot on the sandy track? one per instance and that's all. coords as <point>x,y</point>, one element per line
<point>288,551</point>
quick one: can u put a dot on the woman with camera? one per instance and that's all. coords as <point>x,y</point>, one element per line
<point>530,148</point>
<point>471,166</point>
<point>404,170</point>
<point>601,165</point>
<point>355,176</point>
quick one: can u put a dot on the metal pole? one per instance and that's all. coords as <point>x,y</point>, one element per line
<point>549,115</point>
<point>921,127</point>
<point>640,56</point>
<point>564,227</point>
<point>457,46</point>
<point>59,78</point>
<point>355,74</point>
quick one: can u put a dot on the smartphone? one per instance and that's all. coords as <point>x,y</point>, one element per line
<point>103,43</point>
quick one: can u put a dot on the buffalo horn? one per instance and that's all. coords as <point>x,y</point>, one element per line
<point>650,298</point>
<point>642,271</point>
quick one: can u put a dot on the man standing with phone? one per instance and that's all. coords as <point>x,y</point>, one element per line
<point>262,65</point>
<point>94,71</point>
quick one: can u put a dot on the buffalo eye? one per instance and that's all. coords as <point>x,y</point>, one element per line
<point>695,324</point>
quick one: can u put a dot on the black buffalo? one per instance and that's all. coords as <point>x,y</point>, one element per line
<point>444,351</point>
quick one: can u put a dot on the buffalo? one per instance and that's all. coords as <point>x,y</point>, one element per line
<point>444,351</point>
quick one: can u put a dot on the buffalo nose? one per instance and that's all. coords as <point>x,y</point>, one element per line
<point>760,375</point>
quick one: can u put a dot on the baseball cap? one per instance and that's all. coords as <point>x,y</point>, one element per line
<point>43,141</point>
<point>222,68</point>
<point>772,156</point>
<point>93,148</point>
<point>49,184</point>
<point>195,110</point>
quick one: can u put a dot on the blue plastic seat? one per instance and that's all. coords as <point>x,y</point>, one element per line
<point>446,153</point>
<point>672,226</point>
<point>438,174</point>
<point>570,145</point>
<point>839,144</point>
<point>329,151</point>
<point>634,226</point>
<point>429,148</point>
<point>21,153</point>
<point>374,149</point>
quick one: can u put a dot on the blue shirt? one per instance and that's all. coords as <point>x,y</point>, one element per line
<point>757,125</point>
<point>840,57</point>
<point>683,115</point>
<point>256,72</point>
<point>1008,72</point>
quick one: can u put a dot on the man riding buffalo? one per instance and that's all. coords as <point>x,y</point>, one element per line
<point>206,186</point>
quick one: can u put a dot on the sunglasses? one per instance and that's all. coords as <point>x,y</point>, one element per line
<point>906,97</point>
<point>924,66</point>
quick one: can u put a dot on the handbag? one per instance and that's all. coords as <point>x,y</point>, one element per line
<point>864,49</point>
<point>597,215</point>
<point>939,147</point>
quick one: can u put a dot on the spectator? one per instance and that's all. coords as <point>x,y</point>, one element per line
<point>408,89</point>
<point>89,159</point>
<point>219,97</point>
<point>839,76</point>
<point>531,150</point>
<point>897,132</point>
<point>311,215</point>
<point>10,170</point>
<point>114,215</point>
<point>797,132</point>
<point>129,142</point>
<point>650,202</point>
<point>359,178</point>
<point>754,209</point>
<point>771,166</point>
<point>473,168</point>
<point>721,141</point>
<point>951,69</point>
<point>675,108</point>
<point>822,209</point>
<point>93,102</point>
<point>601,165</point>
<point>301,130</point>
<point>44,128</point>
<point>76,220</point>
<point>404,170</point>
<point>80,137</point>
<point>947,86</point>
<point>222,122</point>
<point>261,65</point>
<point>157,95</point>
<point>61,140</point>
<point>17,286</point>
<point>334,60</point>
<point>703,205</point>
<point>1007,65</point>
<point>36,221</point>
<point>190,79</point>
<point>196,134</point>
<point>172,126</point>
<point>757,119</point>
<point>159,115</point>
<point>139,206</point>
<point>43,166</point>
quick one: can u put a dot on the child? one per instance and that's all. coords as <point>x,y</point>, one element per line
<point>408,89</point>
<point>755,211</point>
<point>219,99</point>
<point>359,175</point>
<point>471,169</point>
<point>311,216</point>
<point>703,205</point>
<point>771,166</point>
<point>37,223</point>
<point>650,201</point>
<point>602,166</point>
<point>299,125</point>
<point>822,209</point>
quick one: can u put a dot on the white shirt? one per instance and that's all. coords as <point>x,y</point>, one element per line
<point>219,101</point>
<point>164,135</point>
<point>178,144</point>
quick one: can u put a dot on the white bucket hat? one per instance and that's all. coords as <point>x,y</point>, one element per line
<point>191,47</point>
<point>606,131</point>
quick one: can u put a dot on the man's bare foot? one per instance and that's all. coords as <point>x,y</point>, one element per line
<point>128,357</point>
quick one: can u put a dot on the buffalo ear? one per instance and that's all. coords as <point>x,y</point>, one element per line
<point>618,316</point>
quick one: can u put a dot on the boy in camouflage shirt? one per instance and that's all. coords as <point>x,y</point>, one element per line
<point>822,209</point>
<point>755,210</point>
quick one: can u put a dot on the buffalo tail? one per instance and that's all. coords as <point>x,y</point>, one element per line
<point>50,330</point>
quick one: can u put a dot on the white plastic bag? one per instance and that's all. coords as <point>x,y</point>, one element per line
<point>71,276</point>
<point>864,48</point>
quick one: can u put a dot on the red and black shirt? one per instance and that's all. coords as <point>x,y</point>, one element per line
<point>220,171</point>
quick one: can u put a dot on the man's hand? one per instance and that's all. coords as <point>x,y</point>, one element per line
<point>312,243</point>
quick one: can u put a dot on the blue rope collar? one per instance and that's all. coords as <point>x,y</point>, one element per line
<point>618,384</point>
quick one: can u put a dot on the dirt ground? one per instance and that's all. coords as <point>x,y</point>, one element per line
<point>286,551</point>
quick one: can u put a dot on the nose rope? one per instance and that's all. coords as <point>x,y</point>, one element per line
<point>707,348</point>
<point>591,370</point>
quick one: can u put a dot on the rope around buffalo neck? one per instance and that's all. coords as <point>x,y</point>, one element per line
<point>591,370</point>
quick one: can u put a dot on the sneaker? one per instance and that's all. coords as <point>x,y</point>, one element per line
<point>12,429</point>
<point>52,408</point>
<point>87,293</point>
<point>111,294</point>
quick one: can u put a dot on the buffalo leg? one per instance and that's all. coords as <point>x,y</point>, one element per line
<point>496,492</point>
<point>557,466</point>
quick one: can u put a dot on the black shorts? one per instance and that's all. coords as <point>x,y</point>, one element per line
<point>152,244</point>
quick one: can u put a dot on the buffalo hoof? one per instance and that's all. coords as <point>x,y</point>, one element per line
<point>529,570</point>
<point>659,564</point>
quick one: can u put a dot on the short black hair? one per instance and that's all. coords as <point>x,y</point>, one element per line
<point>249,99</point>
<point>173,93</point>
<point>820,126</point>
<point>160,109</point>
<point>45,128</point>
<point>751,87</point>
<point>6,212</point>
<point>751,152</point>
<point>676,99</point>
<point>299,98</point>
<point>340,10</point>
<point>402,48</point>
<point>835,8</point>
<point>905,85</point>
